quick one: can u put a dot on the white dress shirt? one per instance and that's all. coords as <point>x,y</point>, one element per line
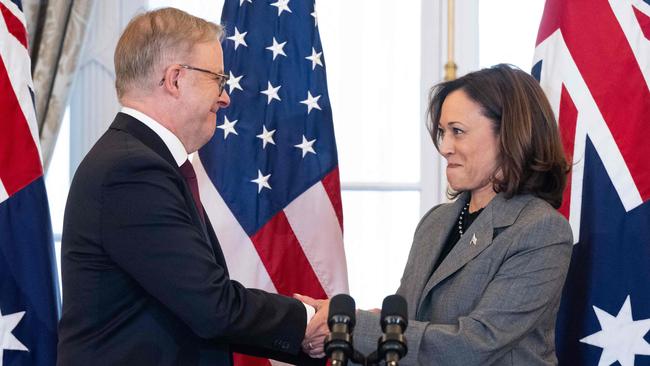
<point>174,145</point>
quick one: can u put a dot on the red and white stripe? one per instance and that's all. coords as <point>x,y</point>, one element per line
<point>300,250</point>
<point>583,93</point>
<point>20,157</point>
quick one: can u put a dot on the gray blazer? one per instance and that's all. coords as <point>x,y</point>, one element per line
<point>493,300</point>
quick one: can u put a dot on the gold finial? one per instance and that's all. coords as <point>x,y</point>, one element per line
<point>450,70</point>
<point>450,66</point>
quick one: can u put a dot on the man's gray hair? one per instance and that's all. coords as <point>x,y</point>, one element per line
<point>154,38</point>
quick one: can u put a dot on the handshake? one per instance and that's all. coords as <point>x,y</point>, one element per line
<point>314,342</point>
<point>340,318</point>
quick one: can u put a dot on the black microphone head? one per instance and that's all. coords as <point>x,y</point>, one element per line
<point>393,308</point>
<point>342,305</point>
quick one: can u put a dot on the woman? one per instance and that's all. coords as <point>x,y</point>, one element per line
<point>485,272</point>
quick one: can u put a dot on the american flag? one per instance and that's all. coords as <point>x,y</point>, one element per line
<point>593,61</point>
<point>269,177</point>
<point>29,301</point>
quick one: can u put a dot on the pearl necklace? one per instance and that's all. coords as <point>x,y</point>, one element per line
<point>461,218</point>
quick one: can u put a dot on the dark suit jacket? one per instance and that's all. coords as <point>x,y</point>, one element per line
<point>494,299</point>
<point>144,280</point>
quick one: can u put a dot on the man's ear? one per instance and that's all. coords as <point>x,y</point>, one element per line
<point>170,83</point>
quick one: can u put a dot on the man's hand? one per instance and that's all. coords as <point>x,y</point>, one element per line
<point>314,341</point>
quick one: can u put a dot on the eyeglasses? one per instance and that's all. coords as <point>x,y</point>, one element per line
<point>221,79</point>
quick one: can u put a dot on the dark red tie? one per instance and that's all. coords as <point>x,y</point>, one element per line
<point>190,177</point>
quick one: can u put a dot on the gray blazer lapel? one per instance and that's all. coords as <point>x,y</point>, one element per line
<point>473,242</point>
<point>431,239</point>
<point>498,213</point>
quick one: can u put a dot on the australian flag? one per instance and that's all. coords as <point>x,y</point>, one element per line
<point>269,177</point>
<point>593,61</point>
<point>28,282</point>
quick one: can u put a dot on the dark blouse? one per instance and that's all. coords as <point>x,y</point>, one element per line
<point>454,236</point>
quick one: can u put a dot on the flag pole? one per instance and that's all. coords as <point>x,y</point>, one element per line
<point>450,66</point>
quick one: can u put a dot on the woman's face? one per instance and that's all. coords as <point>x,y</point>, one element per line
<point>468,142</point>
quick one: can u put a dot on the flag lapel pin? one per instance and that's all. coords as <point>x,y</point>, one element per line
<point>474,240</point>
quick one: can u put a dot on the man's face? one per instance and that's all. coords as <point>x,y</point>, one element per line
<point>200,95</point>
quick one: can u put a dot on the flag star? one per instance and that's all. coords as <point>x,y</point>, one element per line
<point>311,102</point>
<point>266,137</point>
<point>315,15</point>
<point>306,146</point>
<point>7,340</point>
<point>242,1</point>
<point>271,92</point>
<point>277,48</point>
<point>262,181</point>
<point>315,58</point>
<point>239,38</point>
<point>233,82</point>
<point>228,127</point>
<point>620,337</point>
<point>282,5</point>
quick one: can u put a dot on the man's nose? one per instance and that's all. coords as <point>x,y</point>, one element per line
<point>224,99</point>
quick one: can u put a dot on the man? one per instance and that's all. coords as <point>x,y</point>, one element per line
<point>144,278</point>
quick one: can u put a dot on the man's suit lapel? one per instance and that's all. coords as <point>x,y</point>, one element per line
<point>143,133</point>
<point>499,213</point>
<point>140,131</point>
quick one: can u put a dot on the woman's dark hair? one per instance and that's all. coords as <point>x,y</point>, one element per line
<point>531,156</point>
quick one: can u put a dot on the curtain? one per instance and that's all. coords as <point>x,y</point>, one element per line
<point>57,30</point>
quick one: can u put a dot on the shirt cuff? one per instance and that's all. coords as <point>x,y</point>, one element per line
<point>310,312</point>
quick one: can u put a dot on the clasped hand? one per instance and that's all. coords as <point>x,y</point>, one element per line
<point>314,342</point>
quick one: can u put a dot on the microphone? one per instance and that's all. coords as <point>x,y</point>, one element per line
<point>341,320</point>
<point>394,320</point>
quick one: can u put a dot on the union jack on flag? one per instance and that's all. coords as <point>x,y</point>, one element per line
<point>269,177</point>
<point>28,282</point>
<point>593,61</point>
